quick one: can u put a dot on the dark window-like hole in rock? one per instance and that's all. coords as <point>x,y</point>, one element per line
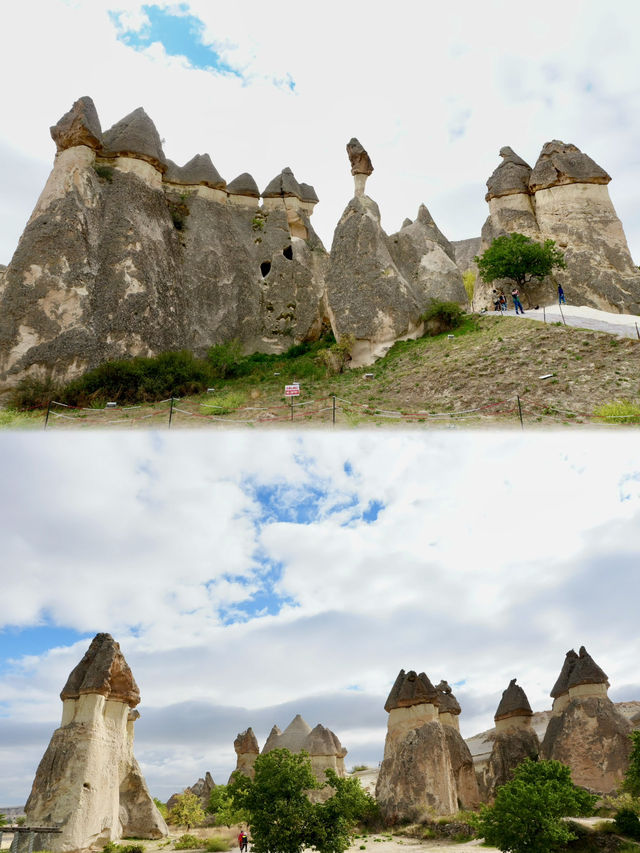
<point>265,268</point>
<point>288,253</point>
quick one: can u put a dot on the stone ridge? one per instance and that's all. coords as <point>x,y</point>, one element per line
<point>411,689</point>
<point>136,134</point>
<point>586,671</point>
<point>560,163</point>
<point>514,702</point>
<point>447,702</point>
<point>103,670</point>
<point>79,126</point>
<point>562,684</point>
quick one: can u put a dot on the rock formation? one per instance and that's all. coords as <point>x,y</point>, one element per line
<point>323,746</point>
<point>461,759</point>
<point>128,254</point>
<point>378,286</point>
<point>426,765</point>
<point>565,198</point>
<point>361,165</point>
<point>514,739</point>
<point>202,789</point>
<point>585,731</point>
<point>89,783</point>
<point>247,750</point>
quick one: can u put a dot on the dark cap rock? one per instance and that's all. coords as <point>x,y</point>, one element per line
<point>103,670</point>
<point>360,161</point>
<point>561,163</point>
<point>411,689</point>
<point>562,683</point>
<point>244,184</point>
<point>586,671</point>
<point>282,185</point>
<point>447,702</point>
<point>510,177</point>
<point>514,703</point>
<point>199,170</point>
<point>309,194</point>
<point>80,126</point>
<point>136,135</point>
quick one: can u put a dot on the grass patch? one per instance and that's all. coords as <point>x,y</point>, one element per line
<point>188,842</point>
<point>218,845</point>
<point>619,412</point>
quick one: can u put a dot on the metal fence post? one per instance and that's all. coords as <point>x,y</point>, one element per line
<point>170,413</point>
<point>520,411</point>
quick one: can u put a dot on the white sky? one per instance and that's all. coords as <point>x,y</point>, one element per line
<point>490,557</point>
<point>432,90</point>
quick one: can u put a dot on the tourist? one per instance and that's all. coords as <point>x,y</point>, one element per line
<point>515,295</point>
<point>503,301</point>
<point>561,299</point>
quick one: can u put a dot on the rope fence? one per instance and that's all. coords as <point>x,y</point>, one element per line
<point>331,409</point>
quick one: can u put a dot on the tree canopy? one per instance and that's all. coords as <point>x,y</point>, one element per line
<point>221,805</point>
<point>519,258</point>
<point>632,776</point>
<point>187,811</point>
<point>526,816</point>
<point>281,815</point>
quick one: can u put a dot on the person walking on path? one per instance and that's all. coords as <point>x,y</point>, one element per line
<point>244,841</point>
<point>561,299</point>
<point>515,295</point>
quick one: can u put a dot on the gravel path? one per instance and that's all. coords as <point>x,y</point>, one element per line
<point>623,325</point>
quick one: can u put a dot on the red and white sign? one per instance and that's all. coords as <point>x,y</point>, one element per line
<point>292,390</point>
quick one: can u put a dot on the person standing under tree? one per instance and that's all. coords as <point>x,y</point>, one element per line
<point>561,299</point>
<point>515,295</point>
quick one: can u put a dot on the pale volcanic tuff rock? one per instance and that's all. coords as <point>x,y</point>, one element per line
<point>247,750</point>
<point>586,731</point>
<point>360,161</point>
<point>102,271</point>
<point>89,783</point>
<point>565,199</point>
<point>514,740</point>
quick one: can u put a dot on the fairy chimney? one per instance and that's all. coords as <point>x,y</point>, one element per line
<point>361,165</point>
<point>247,750</point>
<point>448,706</point>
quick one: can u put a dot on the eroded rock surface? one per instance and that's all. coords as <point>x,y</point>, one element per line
<point>89,783</point>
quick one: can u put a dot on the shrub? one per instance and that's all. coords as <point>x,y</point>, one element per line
<point>619,412</point>
<point>162,807</point>
<point>441,317</point>
<point>217,845</point>
<point>104,172</point>
<point>33,393</point>
<point>188,842</point>
<point>628,823</point>
<point>224,359</point>
<point>358,767</point>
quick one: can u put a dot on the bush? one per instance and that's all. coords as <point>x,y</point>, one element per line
<point>441,317</point>
<point>33,393</point>
<point>628,823</point>
<point>188,842</point>
<point>225,358</point>
<point>217,845</point>
<point>162,807</point>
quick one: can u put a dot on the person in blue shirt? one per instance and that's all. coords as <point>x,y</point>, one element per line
<point>561,299</point>
<point>515,295</point>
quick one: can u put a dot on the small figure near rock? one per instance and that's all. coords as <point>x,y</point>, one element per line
<point>515,295</point>
<point>561,299</point>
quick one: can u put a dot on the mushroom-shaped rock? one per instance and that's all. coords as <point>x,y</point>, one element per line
<point>411,689</point>
<point>80,126</point>
<point>200,170</point>
<point>322,741</point>
<point>283,185</point>
<point>136,135</point>
<point>309,194</point>
<point>510,177</point>
<point>246,743</point>
<point>244,184</point>
<point>514,703</point>
<point>103,670</point>
<point>359,159</point>
<point>586,671</point>
<point>560,163</point>
<point>447,702</point>
<point>562,683</point>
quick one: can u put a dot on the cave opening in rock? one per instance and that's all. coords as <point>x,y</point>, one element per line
<point>265,268</point>
<point>288,252</point>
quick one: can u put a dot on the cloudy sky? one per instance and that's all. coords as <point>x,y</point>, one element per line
<point>249,581</point>
<point>433,90</point>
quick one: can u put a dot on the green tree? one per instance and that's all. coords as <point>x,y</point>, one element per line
<point>280,814</point>
<point>527,814</point>
<point>632,776</point>
<point>221,805</point>
<point>469,281</point>
<point>519,258</point>
<point>162,807</point>
<point>3,820</point>
<point>187,811</point>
